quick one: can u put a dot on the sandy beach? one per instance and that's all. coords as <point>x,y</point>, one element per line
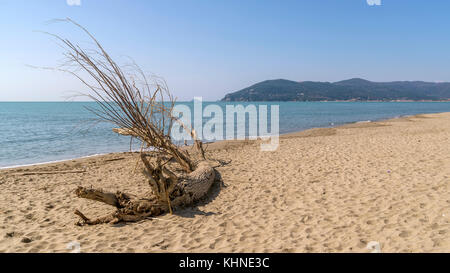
<point>323,190</point>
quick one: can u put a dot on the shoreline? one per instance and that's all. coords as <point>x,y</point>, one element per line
<point>209,143</point>
<point>323,190</point>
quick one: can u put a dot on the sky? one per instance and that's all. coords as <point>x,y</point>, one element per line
<point>207,48</point>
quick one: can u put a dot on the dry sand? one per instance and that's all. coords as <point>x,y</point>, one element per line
<point>323,190</point>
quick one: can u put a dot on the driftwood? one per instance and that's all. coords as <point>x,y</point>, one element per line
<point>142,110</point>
<point>183,192</point>
<point>169,190</point>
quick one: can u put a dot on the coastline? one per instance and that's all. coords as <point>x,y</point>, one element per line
<point>209,143</point>
<point>324,190</point>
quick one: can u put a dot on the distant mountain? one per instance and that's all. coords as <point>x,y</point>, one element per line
<point>348,90</point>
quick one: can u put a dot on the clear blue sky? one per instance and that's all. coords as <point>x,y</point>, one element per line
<point>212,47</point>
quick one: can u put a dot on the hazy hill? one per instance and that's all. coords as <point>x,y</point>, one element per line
<point>353,89</point>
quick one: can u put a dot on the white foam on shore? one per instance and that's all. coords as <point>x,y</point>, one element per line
<point>62,160</point>
<point>49,162</point>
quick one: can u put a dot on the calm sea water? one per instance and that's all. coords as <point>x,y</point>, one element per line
<point>36,132</point>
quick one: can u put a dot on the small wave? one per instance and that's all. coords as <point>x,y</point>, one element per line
<point>49,162</point>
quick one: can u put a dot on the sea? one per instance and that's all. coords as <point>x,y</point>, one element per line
<point>42,132</point>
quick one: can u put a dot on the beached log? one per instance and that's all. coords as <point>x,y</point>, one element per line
<point>144,110</point>
<point>183,191</point>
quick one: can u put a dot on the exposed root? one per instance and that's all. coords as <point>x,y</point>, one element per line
<point>169,192</point>
<point>143,110</point>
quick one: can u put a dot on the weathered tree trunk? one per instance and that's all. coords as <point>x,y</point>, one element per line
<point>183,191</point>
<point>144,110</point>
